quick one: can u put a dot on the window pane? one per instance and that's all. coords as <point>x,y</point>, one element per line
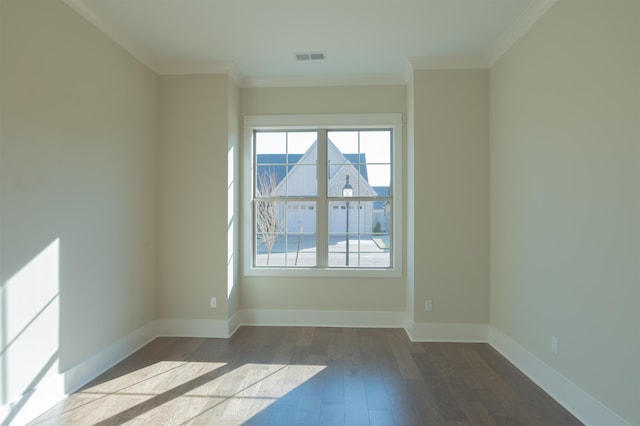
<point>362,240</point>
<point>271,143</point>
<point>343,141</point>
<point>301,217</point>
<point>290,250</point>
<point>374,251</point>
<point>269,180</point>
<point>346,183</point>
<point>381,217</point>
<point>269,249</point>
<point>302,180</point>
<point>299,148</point>
<point>363,169</point>
<point>285,233</point>
<point>379,178</point>
<point>270,222</point>
<point>286,164</point>
<point>376,146</point>
<point>301,234</point>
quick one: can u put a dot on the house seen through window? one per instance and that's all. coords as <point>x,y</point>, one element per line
<point>322,198</point>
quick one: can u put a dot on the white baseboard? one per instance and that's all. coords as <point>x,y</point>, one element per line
<point>235,322</point>
<point>448,332</point>
<point>582,405</point>
<point>368,319</point>
<point>55,386</point>
<point>87,370</point>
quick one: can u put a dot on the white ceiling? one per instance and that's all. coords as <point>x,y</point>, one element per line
<point>256,40</point>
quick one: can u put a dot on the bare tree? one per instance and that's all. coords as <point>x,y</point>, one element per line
<point>268,217</point>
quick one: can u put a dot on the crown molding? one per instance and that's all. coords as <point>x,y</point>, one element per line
<point>127,44</point>
<point>222,67</point>
<point>448,62</point>
<point>219,67</point>
<point>519,28</point>
<point>324,81</point>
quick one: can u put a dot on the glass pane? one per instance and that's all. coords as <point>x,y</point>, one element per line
<point>273,180</point>
<point>363,169</point>
<point>374,251</point>
<point>345,142</point>
<point>302,180</point>
<point>376,146</point>
<point>301,250</point>
<point>269,249</point>
<point>361,241</point>
<point>346,183</point>
<point>378,178</point>
<point>269,181</point>
<point>270,163</point>
<point>301,148</point>
<point>270,223</point>
<point>271,143</point>
<point>285,233</point>
<point>381,222</point>
<point>301,233</point>
<point>342,171</point>
<point>301,217</point>
<point>344,221</point>
<point>280,157</point>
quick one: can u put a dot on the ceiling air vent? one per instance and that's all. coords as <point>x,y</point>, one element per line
<point>311,56</point>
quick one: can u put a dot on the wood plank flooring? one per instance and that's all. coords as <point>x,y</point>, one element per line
<point>310,376</point>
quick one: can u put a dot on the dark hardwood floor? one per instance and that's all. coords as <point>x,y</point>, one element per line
<point>311,376</point>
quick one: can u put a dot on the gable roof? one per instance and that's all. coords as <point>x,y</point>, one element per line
<point>278,165</point>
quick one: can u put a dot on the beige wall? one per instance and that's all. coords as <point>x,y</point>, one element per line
<point>565,200</point>
<point>450,197</point>
<point>323,294</point>
<point>193,180</point>
<point>77,192</point>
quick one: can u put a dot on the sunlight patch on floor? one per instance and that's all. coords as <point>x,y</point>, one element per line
<point>182,392</point>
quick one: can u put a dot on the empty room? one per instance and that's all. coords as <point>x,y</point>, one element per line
<point>320,212</point>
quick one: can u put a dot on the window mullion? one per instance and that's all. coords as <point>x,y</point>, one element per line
<point>322,210</point>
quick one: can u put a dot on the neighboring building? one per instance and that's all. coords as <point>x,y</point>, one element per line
<point>295,175</point>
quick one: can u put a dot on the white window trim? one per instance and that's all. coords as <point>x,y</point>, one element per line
<point>318,122</point>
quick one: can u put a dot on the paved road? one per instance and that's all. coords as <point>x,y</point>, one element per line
<point>364,253</point>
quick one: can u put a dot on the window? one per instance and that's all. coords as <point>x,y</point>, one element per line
<point>322,197</point>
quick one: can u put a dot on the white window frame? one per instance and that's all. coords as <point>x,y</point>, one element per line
<point>321,122</point>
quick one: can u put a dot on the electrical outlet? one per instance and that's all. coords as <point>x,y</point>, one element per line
<point>214,302</point>
<point>428,305</point>
<point>554,345</point>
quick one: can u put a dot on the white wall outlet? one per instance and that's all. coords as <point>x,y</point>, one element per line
<point>214,302</point>
<point>428,305</point>
<point>554,344</point>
